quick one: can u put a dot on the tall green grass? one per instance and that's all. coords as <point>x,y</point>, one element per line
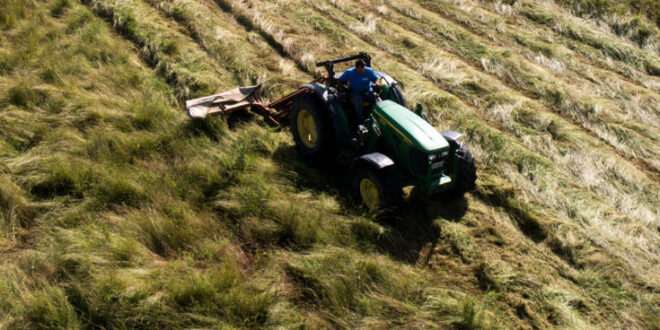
<point>116,211</point>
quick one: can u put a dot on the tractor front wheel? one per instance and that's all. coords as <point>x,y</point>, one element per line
<point>376,190</point>
<point>466,173</point>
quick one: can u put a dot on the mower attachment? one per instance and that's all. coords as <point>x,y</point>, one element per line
<point>225,103</point>
<point>244,99</point>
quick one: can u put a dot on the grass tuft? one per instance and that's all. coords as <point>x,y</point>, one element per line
<point>49,309</point>
<point>13,11</point>
<point>220,292</point>
<point>23,96</point>
<point>460,311</point>
<point>60,7</point>
<point>15,210</point>
<point>113,189</point>
<point>62,178</point>
<point>168,234</point>
<point>151,115</point>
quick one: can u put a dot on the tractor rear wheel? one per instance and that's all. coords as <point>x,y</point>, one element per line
<point>310,128</point>
<point>376,189</point>
<point>466,175</point>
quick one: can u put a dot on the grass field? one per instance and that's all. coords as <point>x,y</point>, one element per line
<point>118,212</point>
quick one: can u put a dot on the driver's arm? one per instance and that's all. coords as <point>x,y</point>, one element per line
<point>373,76</point>
<point>344,77</point>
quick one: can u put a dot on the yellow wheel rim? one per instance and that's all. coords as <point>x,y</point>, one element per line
<point>307,129</point>
<point>370,194</point>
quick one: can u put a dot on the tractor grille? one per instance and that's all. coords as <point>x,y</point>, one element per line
<point>429,164</point>
<point>438,166</point>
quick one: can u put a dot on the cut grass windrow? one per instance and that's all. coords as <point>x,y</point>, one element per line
<point>637,21</point>
<point>275,37</point>
<point>537,38</point>
<point>173,55</point>
<point>248,57</point>
<point>579,31</point>
<point>555,20</point>
<point>531,69</point>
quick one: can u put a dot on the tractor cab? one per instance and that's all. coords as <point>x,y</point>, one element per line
<point>386,88</point>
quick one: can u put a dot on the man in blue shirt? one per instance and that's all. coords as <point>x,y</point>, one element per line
<point>360,80</point>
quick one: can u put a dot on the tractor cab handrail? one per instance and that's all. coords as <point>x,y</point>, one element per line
<point>363,56</point>
<point>330,64</point>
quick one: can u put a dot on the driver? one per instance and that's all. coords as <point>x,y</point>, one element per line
<point>360,80</point>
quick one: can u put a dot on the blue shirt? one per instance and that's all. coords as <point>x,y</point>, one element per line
<point>359,83</point>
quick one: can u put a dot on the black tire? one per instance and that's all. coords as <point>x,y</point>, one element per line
<point>466,175</point>
<point>385,181</point>
<point>322,147</point>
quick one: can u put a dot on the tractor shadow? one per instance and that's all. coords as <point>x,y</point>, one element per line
<point>413,226</point>
<point>411,231</point>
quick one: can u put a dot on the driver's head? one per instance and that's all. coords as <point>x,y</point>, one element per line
<point>359,66</point>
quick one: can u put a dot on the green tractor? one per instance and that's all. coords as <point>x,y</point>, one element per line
<point>393,148</point>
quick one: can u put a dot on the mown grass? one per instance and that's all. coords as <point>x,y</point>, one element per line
<point>119,212</point>
<point>516,71</point>
<point>564,46</point>
<point>162,50</point>
<point>601,8</point>
<point>586,34</point>
<point>250,62</point>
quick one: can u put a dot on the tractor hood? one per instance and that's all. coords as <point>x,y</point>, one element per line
<point>411,127</point>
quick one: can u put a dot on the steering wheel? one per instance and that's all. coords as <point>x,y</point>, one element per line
<point>341,86</point>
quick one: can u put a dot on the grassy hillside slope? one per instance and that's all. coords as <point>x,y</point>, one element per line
<point>117,211</point>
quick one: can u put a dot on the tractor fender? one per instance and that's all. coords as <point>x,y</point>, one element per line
<point>375,160</point>
<point>321,91</point>
<point>452,137</point>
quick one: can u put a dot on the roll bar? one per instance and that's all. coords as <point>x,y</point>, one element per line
<point>330,65</point>
<point>361,55</point>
